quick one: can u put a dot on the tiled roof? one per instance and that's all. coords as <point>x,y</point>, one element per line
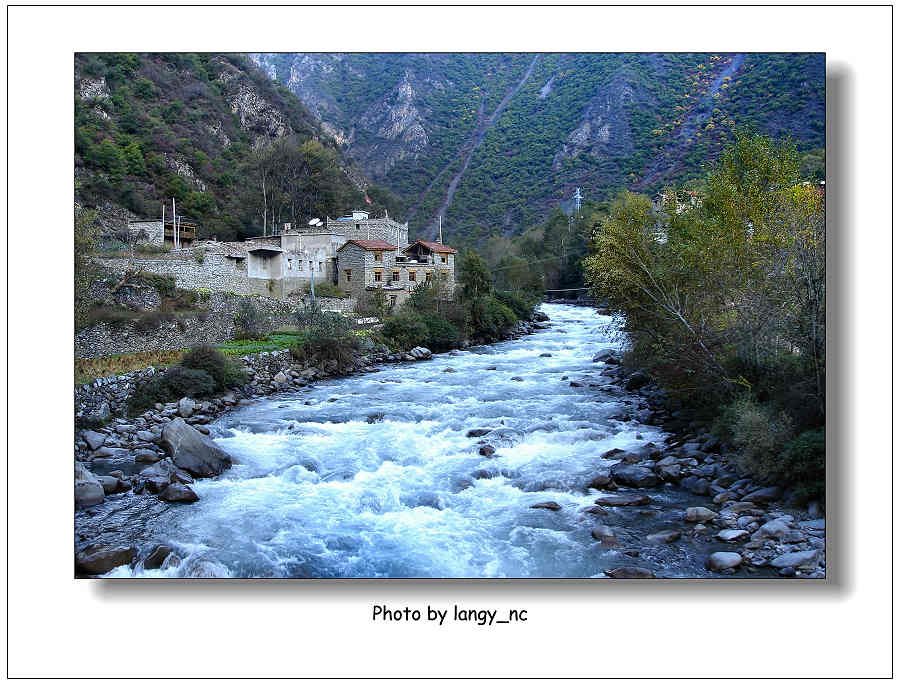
<point>370,245</point>
<point>434,246</point>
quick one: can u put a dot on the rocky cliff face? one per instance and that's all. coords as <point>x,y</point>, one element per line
<point>378,131</point>
<point>605,127</point>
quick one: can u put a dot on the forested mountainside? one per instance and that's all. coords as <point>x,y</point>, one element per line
<point>494,142</point>
<point>201,128</point>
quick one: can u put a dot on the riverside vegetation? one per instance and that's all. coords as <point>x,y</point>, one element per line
<point>724,303</point>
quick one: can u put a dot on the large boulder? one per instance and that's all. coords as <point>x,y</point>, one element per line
<point>794,560</point>
<point>93,439</point>
<point>88,488</point>
<point>192,451</point>
<point>179,493</point>
<point>186,407</point>
<point>723,560</point>
<point>634,476</point>
<point>608,356</point>
<point>699,514</point>
<point>98,559</point>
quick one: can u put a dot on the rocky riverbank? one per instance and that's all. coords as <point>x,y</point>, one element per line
<point>160,452</point>
<point>761,522</point>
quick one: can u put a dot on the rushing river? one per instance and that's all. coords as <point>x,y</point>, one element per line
<point>374,475</point>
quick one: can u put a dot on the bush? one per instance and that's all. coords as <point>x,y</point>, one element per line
<point>442,335</point>
<point>248,321</point>
<point>767,450</point>
<point>803,463</point>
<point>326,336</point>
<point>210,360</point>
<point>172,385</point>
<point>520,304</point>
<point>151,320</point>
<point>405,330</point>
<point>490,317</point>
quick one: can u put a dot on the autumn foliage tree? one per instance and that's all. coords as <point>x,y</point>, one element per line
<point>723,292</point>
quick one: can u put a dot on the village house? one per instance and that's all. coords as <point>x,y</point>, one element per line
<point>366,265</point>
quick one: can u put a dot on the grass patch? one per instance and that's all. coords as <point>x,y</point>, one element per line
<point>276,341</point>
<point>89,369</point>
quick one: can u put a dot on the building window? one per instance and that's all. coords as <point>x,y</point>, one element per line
<point>377,276</point>
<point>445,275</point>
<point>395,276</point>
<point>393,300</point>
<point>290,264</point>
<point>349,274</point>
<point>428,277</point>
<point>443,258</point>
<point>378,256</point>
<point>412,276</point>
<point>320,266</point>
<point>357,226</point>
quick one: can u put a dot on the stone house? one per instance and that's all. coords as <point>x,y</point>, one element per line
<point>366,265</point>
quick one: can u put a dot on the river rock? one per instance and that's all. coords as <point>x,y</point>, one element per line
<point>612,453</point>
<point>186,407</point>
<point>88,493</point>
<point>670,473</point>
<point>109,484</point>
<point>667,536</point>
<point>547,505</point>
<point>101,559</point>
<point>146,455</point>
<point>634,476</point>
<point>472,433</point>
<point>179,493</point>
<point>630,573</point>
<point>723,560</point>
<point>732,535</point>
<point>192,451</point>
<point>487,450</point>
<point>156,558</point>
<point>420,353</point>
<point>775,529</point>
<point>796,559</point>
<point>601,532</point>
<point>623,499</point>
<point>88,488</point>
<point>608,356</point>
<point>699,514</point>
<point>93,439</point>
<point>600,482</point>
<point>767,495</point>
<point>146,435</point>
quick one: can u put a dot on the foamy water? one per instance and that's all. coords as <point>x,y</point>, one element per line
<point>374,476</point>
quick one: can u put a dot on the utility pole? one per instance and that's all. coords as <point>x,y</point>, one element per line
<point>440,230</point>
<point>174,226</point>
<point>312,280</point>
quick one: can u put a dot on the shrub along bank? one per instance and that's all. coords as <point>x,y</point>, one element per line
<point>441,321</point>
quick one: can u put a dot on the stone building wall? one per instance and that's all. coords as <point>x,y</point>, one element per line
<point>154,230</point>
<point>216,271</point>
<point>363,266</point>
<point>212,324</point>
<point>370,229</point>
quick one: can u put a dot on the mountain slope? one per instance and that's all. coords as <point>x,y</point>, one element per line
<point>149,127</point>
<point>417,123</point>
